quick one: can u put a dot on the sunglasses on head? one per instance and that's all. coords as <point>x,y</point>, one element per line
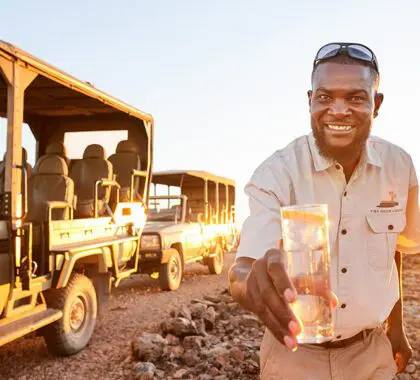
<point>353,50</point>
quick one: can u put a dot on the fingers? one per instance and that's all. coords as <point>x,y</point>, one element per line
<point>278,275</point>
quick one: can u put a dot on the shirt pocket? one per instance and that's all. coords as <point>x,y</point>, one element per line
<point>382,238</point>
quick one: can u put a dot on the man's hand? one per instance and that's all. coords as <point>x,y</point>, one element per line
<point>400,346</point>
<point>263,287</point>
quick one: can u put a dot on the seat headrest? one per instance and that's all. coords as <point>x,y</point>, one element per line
<point>126,146</point>
<point>57,148</point>
<point>24,155</point>
<point>51,165</point>
<point>94,151</point>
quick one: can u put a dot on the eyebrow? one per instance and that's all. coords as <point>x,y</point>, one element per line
<point>351,92</point>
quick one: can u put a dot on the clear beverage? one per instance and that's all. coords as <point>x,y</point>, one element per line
<point>305,242</point>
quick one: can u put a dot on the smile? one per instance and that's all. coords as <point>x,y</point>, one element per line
<point>340,128</point>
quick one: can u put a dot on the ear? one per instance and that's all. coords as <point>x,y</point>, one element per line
<point>310,97</point>
<point>379,98</point>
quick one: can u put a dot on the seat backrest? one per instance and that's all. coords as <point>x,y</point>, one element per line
<point>58,148</point>
<point>93,167</point>
<point>49,183</point>
<point>124,160</point>
<point>25,162</point>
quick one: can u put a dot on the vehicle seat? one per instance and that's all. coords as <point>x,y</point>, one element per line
<point>85,172</point>
<point>124,160</point>
<point>49,183</point>
<point>57,148</point>
<point>25,163</point>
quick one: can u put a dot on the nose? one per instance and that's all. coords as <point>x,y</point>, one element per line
<point>339,109</point>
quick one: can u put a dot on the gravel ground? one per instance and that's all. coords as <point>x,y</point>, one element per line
<point>136,306</point>
<point>139,306</point>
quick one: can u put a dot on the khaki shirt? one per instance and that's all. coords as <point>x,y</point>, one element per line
<point>366,215</point>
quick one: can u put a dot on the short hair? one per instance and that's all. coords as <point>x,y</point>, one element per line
<point>344,59</point>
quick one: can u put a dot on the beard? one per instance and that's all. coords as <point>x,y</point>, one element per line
<point>341,154</point>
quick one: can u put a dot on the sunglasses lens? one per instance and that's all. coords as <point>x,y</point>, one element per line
<point>360,52</point>
<point>328,51</point>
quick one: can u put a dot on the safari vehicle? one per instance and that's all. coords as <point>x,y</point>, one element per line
<point>196,224</point>
<point>71,229</point>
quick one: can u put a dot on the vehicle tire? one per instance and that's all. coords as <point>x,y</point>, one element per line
<point>170,273</point>
<point>215,263</point>
<point>78,302</point>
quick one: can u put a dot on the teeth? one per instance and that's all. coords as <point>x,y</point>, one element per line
<point>339,127</point>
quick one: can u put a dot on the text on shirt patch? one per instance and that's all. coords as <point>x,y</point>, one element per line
<point>387,206</point>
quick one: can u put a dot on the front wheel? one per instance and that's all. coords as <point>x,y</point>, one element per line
<point>215,263</point>
<point>78,301</point>
<point>170,273</point>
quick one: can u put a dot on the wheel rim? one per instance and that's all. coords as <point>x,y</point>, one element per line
<point>174,269</point>
<point>77,314</point>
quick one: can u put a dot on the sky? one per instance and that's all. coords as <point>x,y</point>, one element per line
<point>225,81</point>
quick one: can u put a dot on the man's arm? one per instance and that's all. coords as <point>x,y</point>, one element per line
<point>395,327</point>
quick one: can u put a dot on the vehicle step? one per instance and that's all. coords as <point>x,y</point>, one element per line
<point>32,322</point>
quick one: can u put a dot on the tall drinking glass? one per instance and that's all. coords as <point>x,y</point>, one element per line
<point>306,245</point>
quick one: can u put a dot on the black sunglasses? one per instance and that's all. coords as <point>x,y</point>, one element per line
<point>353,50</point>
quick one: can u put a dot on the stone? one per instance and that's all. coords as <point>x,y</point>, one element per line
<point>179,327</point>
<point>172,340</point>
<point>249,321</point>
<point>209,318</point>
<point>148,347</point>
<point>144,371</point>
<point>173,352</point>
<point>411,368</point>
<point>237,354</point>
<point>193,342</point>
<point>180,373</point>
<point>191,358</point>
<point>184,312</point>
<point>197,310</point>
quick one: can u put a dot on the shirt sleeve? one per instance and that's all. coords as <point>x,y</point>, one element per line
<point>409,240</point>
<point>261,231</point>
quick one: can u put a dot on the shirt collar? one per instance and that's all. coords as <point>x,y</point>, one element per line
<point>370,155</point>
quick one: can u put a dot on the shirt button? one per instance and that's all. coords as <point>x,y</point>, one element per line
<point>338,336</point>
<point>338,167</point>
<point>345,194</point>
<point>390,227</point>
<point>343,270</point>
<point>343,306</point>
<point>343,232</point>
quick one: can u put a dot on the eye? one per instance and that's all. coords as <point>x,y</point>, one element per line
<point>323,97</point>
<point>357,99</point>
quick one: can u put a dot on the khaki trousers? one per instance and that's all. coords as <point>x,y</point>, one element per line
<point>370,359</point>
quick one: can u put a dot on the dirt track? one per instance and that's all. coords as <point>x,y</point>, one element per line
<point>139,305</point>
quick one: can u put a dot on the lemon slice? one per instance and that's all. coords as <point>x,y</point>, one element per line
<point>304,216</point>
<point>306,308</point>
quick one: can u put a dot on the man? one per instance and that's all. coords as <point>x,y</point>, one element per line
<point>370,187</point>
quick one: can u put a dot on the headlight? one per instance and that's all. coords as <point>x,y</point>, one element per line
<point>150,242</point>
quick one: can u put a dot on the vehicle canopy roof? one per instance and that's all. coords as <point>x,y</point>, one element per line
<point>188,177</point>
<point>56,100</point>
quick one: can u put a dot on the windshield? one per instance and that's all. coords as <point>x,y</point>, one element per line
<point>164,210</point>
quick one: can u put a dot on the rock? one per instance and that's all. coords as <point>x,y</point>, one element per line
<point>160,374</point>
<point>191,358</point>
<point>172,340</point>
<point>179,327</point>
<point>183,312</point>
<point>214,371</point>
<point>197,310</point>
<point>180,373</point>
<point>411,368</point>
<point>201,327</point>
<point>221,307</point>
<point>144,371</point>
<point>237,354</point>
<point>225,299</point>
<point>249,321</point>
<point>173,352</point>
<point>212,299</point>
<point>207,303</point>
<point>209,318</point>
<point>193,342</point>
<point>148,347</point>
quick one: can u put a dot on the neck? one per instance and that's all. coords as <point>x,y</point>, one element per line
<point>349,165</point>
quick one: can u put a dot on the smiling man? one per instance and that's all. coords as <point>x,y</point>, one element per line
<point>370,186</point>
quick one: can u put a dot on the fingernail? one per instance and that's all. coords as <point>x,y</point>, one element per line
<point>289,295</point>
<point>290,343</point>
<point>294,328</point>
